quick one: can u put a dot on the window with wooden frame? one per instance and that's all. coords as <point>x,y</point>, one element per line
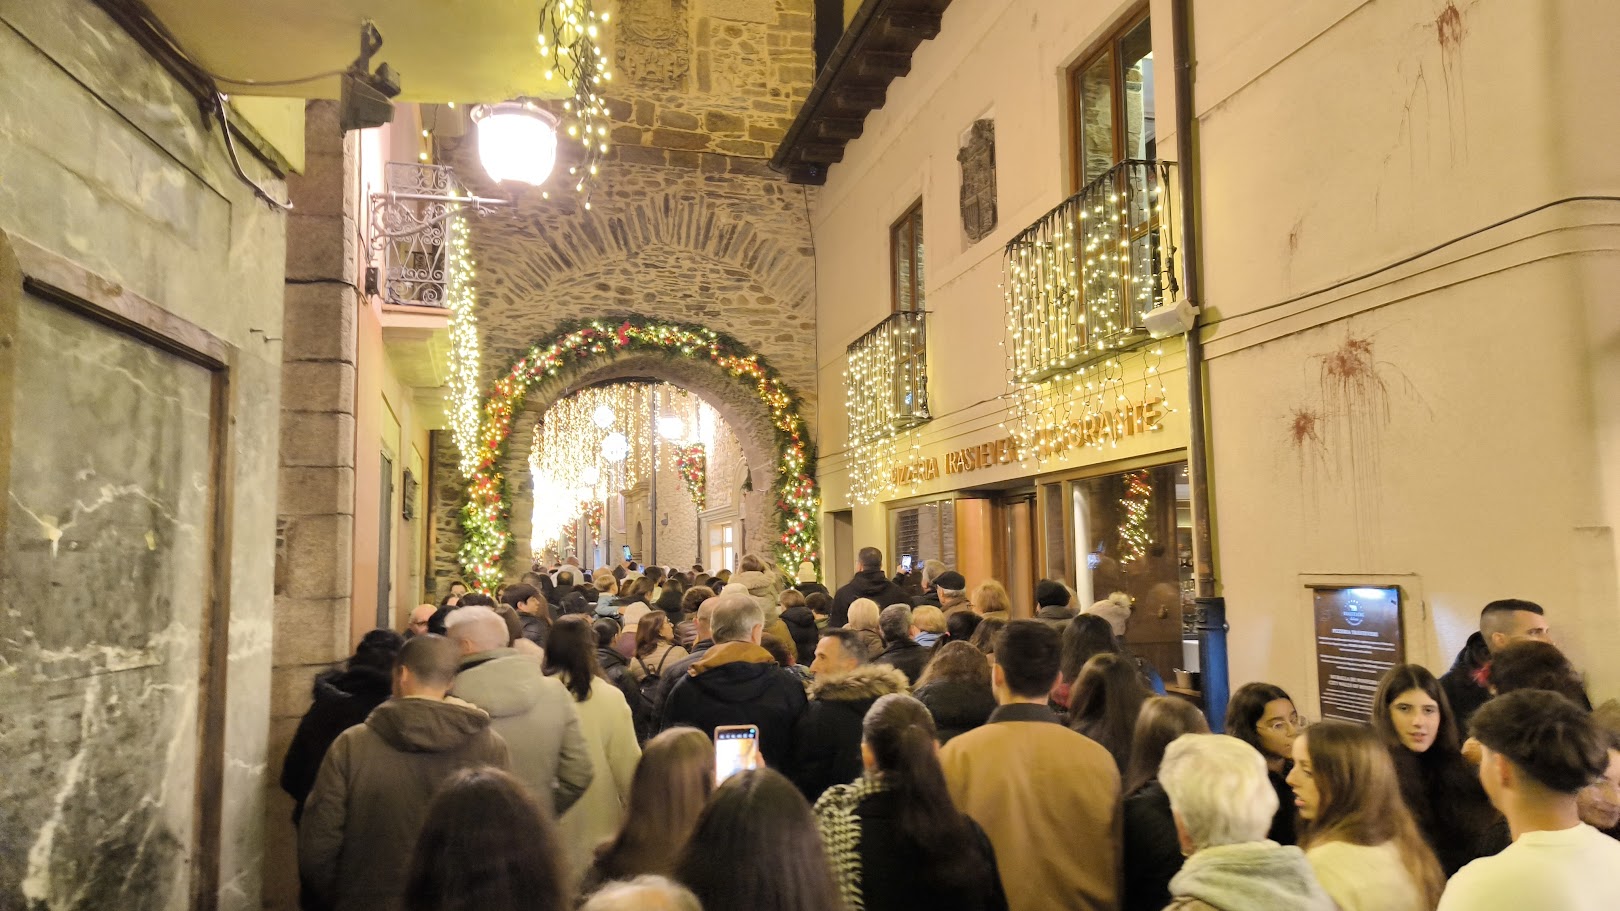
<point>906,260</point>
<point>1111,102</point>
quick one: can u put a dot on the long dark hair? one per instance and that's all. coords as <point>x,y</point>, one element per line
<point>673,781</point>
<point>900,733</point>
<point>757,848</point>
<point>647,631</point>
<point>486,845</point>
<point>571,654</point>
<point>1163,719</point>
<point>1105,703</point>
<point>1086,636</point>
<point>1247,707</point>
<point>1360,801</point>
<point>1401,679</point>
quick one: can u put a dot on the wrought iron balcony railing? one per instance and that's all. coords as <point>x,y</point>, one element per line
<point>410,229</point>
<point>886,378</point>
<point>1079,280</point>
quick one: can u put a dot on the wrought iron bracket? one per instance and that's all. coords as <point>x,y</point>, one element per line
<point>407,230</point>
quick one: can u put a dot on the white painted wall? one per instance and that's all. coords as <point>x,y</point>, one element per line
<point>1337,140</point>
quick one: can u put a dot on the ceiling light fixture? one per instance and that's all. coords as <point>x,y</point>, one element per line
<point>517,140</point>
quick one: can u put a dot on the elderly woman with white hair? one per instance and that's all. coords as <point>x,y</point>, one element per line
<point>1223,803</point>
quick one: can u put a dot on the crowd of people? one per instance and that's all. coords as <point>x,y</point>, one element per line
<point>916,747</point>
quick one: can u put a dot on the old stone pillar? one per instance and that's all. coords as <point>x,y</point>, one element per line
<point>315,491</point>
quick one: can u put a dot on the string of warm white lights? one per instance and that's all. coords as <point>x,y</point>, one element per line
<point>1077,284</point>
<point>568,43</point>
<point>462,402</point>
<point>796,506</point>
<point>885,393</point>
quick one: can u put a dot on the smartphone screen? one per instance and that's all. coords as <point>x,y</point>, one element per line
<point>736,747</point>
<point>905,562</point>
<point>627,551</point>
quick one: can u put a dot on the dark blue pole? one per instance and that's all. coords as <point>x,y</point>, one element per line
<point>1215,683</point>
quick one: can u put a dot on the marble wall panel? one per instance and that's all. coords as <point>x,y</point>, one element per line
<point>105,574</point>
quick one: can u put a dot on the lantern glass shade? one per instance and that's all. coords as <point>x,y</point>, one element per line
<point>517,141</point>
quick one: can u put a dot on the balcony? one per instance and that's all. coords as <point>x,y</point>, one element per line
<point>1079,280</point>
<point>885,394</point>
<point>886,378</point>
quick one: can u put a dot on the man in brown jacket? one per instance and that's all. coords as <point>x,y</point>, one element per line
<point>371,796</point>
<point>1047,796</point>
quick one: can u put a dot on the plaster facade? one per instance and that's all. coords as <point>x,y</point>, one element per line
<point>1410,337</point>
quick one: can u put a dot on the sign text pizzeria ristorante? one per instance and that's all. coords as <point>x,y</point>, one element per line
<point>1091,430</point>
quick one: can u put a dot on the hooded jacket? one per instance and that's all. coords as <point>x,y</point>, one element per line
<point>1462,683</point>
<point>1255,876</point>
<point>871,583</point>
<point>764,590</point>
<point>957,706</point>
<point>536,717</point>
<point>801,625</point>
<point>371,796</point>
<point>827,740</point>
<point>740,683</point>
<point>343,699</point>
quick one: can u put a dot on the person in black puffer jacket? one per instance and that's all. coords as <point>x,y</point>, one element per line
<point>343,698</point>
<point>869,582</point>
<point>616,670</point>
<point>827,742</point>
<point>801,624</point>
<point>956,689</point>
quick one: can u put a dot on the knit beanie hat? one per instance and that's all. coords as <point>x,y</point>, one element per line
<point>1051,594</point>
<point>1116,610</point>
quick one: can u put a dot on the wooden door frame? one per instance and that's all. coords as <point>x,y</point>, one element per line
<point>27,268</point>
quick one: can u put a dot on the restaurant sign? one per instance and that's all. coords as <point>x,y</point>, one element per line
<point>1092,430</point>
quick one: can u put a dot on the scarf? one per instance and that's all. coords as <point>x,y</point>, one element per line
<point>841,834</point>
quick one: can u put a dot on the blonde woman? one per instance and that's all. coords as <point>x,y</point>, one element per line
<point>990,601</point>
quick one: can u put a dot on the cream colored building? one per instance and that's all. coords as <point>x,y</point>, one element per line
<point>1410,333</point>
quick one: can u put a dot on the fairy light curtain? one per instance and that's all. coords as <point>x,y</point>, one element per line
<point>1077,283</point>
<point>601,441</point>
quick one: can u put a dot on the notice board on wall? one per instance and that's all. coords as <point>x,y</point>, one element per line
<point>1358,639</point>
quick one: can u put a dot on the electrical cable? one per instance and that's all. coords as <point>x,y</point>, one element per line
<point>230,144</point>
<point>271,82</point>
<point>1415,256</point>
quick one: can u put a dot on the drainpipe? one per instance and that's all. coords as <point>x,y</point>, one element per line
<point>1211,614</point>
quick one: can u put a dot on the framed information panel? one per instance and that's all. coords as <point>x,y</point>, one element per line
<point>1358,639</point>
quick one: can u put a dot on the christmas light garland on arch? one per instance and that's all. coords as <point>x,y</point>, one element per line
<point>484,518</point>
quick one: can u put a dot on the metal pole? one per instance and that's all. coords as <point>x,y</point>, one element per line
<point>652,404</point>
<point>1211,610</point>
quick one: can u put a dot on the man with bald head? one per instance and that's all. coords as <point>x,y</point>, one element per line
<point>371,795</point>
<point>739,682</point>
<point>533,712</point>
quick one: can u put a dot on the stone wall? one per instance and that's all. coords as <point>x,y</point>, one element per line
<point>106,163</point>
<point>686,223</point>
<point>315,488</point>
<point>723,77</point>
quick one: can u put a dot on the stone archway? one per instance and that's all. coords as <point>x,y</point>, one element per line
<point>761,408</point>
<point>738,406</point>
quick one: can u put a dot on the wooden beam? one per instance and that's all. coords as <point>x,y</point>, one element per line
<point>822,152</point>
<point>844,128</point>
<point>861,97</point>
<point>918,25</point>
<point>883,65</point>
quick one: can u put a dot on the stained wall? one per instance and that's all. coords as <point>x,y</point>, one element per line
<point>108,164</point>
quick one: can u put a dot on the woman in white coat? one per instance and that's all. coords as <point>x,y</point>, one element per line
<point>610,735</point>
